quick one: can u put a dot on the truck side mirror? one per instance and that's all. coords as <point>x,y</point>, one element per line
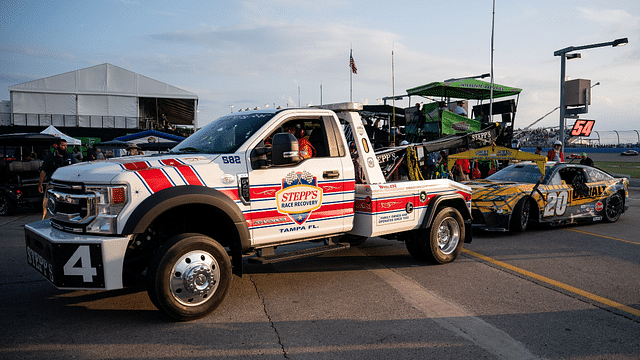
<point>285,149</point>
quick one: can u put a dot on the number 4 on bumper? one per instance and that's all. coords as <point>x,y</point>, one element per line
<point>80,264</point>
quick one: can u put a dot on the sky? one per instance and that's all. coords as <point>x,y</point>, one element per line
<point>245,54</point>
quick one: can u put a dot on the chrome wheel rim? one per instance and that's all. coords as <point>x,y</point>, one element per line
<point>448,235</point>
<point>194,278</point>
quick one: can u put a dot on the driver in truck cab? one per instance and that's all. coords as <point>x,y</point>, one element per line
<point>304,146</point>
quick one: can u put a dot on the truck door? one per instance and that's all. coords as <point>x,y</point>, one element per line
<point>311,198</point>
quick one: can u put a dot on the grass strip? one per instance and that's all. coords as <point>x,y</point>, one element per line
<point>627,168</point>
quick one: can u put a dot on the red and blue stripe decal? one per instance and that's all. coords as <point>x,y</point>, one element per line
<point>157,178</point>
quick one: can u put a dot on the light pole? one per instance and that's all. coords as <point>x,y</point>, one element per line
<point>563,57</point>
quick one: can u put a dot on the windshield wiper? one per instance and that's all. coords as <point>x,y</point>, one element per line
<point>191,150</point>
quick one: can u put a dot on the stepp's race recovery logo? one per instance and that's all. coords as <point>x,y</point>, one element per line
<point>299,196</point>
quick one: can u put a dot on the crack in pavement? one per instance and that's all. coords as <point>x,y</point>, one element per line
<point>273,325</point>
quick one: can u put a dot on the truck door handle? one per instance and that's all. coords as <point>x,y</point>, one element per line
<point>332,174</point>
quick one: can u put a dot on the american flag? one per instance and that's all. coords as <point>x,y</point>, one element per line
<point>352,63</point>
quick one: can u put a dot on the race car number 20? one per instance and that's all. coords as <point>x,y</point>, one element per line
<point>556,203</point>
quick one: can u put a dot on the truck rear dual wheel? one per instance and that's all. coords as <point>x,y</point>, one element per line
<point>189,276</point>
<point>442,242</point>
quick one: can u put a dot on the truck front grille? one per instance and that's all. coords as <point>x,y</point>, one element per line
<point>70,206</point>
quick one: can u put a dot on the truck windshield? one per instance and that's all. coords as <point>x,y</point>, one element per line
<point>224,135</point>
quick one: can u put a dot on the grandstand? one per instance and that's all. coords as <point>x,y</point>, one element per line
<point>544,137</point>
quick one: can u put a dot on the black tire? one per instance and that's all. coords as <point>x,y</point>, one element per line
<point>521,215</point>
<point>414,244</point>
<point>613,207</point>
<point>7,206</point>
<point>442,242</point>
<point>189,276</point>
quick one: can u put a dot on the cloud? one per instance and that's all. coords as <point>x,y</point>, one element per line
<point>38,52</point>
<point>14,78</point>
<point>614,17</point>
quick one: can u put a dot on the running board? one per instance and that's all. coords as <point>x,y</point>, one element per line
<point>268,257</point>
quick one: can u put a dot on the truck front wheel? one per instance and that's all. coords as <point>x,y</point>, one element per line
<point>189,276</point>
<point>7,206</point>
<point>442,242</point>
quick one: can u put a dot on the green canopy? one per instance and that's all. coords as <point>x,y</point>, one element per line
<point>464,89</point>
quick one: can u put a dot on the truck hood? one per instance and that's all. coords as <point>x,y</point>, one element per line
<point>104,171</point>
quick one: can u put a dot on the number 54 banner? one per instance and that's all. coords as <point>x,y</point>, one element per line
<point>582,127</point>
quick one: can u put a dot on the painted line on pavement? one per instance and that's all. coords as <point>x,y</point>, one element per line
<point>575,290</point>
<point>604,236</point>
<point>455,319</point>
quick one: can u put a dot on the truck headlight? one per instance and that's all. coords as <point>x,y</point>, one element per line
<point>109,202</point>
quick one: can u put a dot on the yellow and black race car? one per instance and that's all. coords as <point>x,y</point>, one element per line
<point>568,193</point>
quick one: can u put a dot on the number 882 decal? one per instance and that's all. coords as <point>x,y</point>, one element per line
<point>556,203</point>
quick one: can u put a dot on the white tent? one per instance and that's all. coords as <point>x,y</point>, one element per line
<point>103,96</point>
<point>53,131</point>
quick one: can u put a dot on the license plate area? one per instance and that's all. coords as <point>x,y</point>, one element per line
<point>68,265</point>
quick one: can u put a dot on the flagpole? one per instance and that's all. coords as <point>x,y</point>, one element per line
<point>393,93</point>
<point>352,70</point>
<point>350,76</point>
<point>493,20</point>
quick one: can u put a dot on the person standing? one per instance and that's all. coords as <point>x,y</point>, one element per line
<point>586,160</point>
<point>556,154</point>
<point>77,154</point>
<point>459,109</point>
<point>133,149</point>
<point>538,151</point>
<point>442,172</point>
<point>419,116</point>
<point>461,170</point>
<point>432,164</point>
<point>58,158</point>
<point>99,154</point>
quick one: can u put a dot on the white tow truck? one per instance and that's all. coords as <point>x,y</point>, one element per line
<point>237,188</point>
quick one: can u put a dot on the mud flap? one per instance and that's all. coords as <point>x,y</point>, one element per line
<point>468,231</point>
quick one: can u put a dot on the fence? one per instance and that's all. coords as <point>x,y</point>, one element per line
<point>91,121</point>
<point>614,137</point>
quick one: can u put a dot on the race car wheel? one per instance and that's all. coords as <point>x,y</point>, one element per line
<point>442,242</point>
<point>613,208</point>
<point>189,276</point>
<point>520,215</point>
<point>7,206</point>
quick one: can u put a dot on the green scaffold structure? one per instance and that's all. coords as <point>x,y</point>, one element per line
<point>432,123</point>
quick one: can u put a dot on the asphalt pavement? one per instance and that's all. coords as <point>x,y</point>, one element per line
<point>549,293</point>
